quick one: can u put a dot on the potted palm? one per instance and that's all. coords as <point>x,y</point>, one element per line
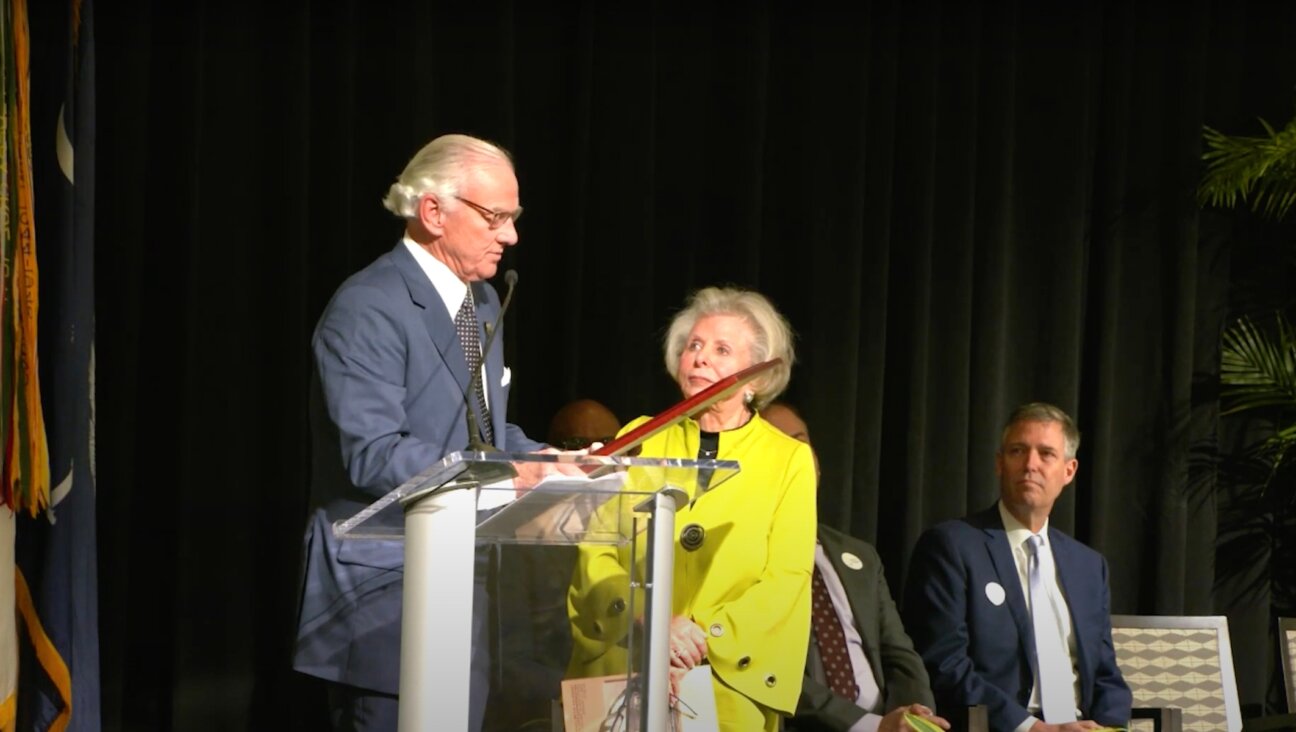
<point>1257,373</point>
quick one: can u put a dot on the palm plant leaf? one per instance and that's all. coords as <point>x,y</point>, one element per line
<point>1259,371</point>
<point>1257,519</point>
<point>1281,443</point>
<point>1261,170</point>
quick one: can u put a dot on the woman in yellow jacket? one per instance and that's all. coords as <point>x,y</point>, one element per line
<point>744,548</point>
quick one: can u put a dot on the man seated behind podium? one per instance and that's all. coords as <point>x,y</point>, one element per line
<point>534,645</point>
<point>393,350</point>
<point>580,423</point>
<point>882,677</point>
<point>1012,613</point>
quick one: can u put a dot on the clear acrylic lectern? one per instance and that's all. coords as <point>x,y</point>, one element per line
<point>544,512</point>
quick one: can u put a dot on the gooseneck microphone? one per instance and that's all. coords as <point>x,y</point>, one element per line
<point>476,440</point>
<point>510,279</point>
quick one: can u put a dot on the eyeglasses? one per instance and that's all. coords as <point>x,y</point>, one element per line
<point>494,219</point>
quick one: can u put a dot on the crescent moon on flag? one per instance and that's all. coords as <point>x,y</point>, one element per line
<point>63,148</point>
<point>60,492</point>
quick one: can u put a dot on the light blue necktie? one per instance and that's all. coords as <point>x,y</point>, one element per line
<point>1057,694</point>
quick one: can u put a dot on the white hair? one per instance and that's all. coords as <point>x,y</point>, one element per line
<point>439,168</point>
<point>771,335</point>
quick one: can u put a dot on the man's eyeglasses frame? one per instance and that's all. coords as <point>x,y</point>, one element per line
<point>494,219</point>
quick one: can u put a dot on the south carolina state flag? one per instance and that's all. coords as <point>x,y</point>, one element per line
<point>56,556</point>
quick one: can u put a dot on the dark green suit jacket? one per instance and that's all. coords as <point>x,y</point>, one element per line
<point>896,666</point>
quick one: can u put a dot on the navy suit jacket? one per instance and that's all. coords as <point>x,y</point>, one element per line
<point>387,402</point>
<point>979,652</point>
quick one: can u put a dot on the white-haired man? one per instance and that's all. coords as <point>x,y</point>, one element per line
<point>391,378</point>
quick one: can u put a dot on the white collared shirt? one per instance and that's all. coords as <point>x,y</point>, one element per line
<point>448,286</point>
<point>1018,535</point>
<point>869,693</point>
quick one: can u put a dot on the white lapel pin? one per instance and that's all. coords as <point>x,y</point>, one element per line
<point>995,593</point>
<point>852,561</point>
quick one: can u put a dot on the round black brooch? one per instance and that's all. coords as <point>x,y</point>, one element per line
<point>692,537</point>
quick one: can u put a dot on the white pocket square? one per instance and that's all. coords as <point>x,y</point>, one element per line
<point>506,377</point>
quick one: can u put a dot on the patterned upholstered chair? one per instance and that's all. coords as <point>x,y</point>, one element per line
<point>1287,658</point>
<point>1287,646</point>
<point>1187,662</point>
<point>1183,662</point>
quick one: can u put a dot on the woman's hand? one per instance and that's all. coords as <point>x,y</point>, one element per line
<point>687,643</point>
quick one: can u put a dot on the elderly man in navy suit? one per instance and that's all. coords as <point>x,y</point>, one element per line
<point>1011,613</point>
<point>394,351</point>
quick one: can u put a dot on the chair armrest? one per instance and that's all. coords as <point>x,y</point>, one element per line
<point>1164,719</point>
<point>978,718</point>
<point>1269,723</point>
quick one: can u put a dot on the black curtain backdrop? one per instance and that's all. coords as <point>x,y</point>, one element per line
<point>959,207</point>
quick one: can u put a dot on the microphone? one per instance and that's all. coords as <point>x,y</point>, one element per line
<point>476,440</point>
<point>510,279</point>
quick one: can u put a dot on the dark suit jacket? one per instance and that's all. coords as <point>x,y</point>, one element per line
<point>979,652</point>
<point>388,401</point>
<point>896,666</point>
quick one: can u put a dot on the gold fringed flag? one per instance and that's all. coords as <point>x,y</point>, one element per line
<point>8,523</point>
<point>24,456</point>
<point>58,688</point>
<point>24,476</point>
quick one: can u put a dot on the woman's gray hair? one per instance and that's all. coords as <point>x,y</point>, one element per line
<point>439,168</point>
<point>1045,412</point>
<point>772,336</point>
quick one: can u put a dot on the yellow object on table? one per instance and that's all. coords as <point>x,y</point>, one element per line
<point>921,724</point>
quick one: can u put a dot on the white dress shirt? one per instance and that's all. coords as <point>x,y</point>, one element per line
<point>451,289</point>
<point>1017,537</point>
<point>869,693</point>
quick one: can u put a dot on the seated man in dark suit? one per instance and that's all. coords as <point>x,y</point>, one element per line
<point>879,677</point>
<point>1011,613</point>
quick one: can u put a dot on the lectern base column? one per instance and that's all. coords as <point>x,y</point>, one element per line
<point>436,620</point>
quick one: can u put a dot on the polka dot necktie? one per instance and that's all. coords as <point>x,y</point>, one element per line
<point>467,328</point>
<point>832,642</point>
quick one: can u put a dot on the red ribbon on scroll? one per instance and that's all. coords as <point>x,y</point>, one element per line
<point>720,390</point>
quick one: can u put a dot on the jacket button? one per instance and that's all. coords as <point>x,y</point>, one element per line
<point>692,536</point>
<point>717,630</point>
<point>744,662</point>
<point>770,680</point>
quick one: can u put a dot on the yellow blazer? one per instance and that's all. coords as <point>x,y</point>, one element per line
<point>747,585</point>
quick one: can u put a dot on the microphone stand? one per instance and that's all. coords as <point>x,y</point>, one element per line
<point>483,472</point>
